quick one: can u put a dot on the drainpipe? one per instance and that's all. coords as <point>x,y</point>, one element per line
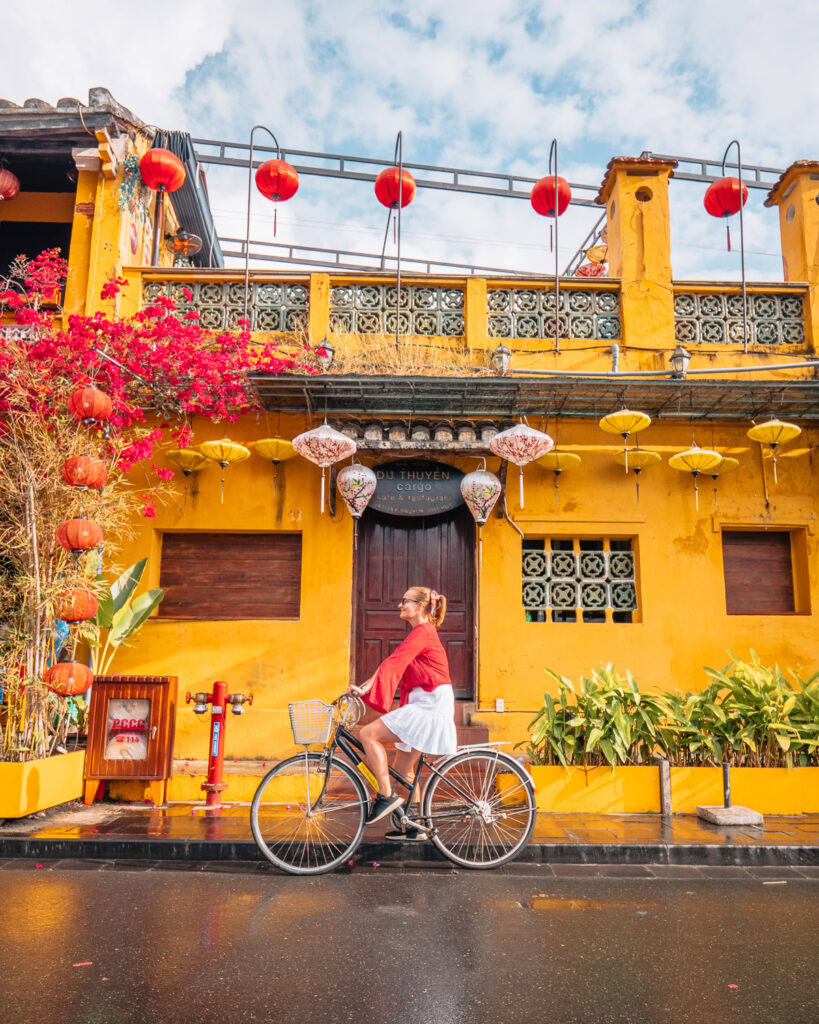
<point>666,373</point>
<point>509,519</point>
<point>615,357</point>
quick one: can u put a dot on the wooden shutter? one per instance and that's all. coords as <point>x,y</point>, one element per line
<point>758,572</point>
<point>231,575</point>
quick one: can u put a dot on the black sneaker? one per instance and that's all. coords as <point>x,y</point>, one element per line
<point>414,834</point>
<point>382,805</point>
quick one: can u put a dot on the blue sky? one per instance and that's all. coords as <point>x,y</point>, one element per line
<point>484,85</point>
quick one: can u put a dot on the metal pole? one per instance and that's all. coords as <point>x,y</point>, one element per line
<point>399,150</point>
<point>159,225</point>
<point>735,142</point>
<point>553,149</point>
<point>249,177</point>
<point>726,784</point>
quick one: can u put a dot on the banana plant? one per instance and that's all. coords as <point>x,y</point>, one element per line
<point>122,615</point>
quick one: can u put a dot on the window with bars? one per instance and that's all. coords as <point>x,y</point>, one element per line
<point>569,579</point>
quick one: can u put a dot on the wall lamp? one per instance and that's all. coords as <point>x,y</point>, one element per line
<point>501,358</point>
<point>680,358</point>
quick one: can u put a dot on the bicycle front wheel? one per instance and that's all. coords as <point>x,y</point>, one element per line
<point>482,808</point>
<point>297,837</point>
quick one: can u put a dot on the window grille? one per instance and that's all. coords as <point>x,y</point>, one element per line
<point>370,309</point>
<point>271,306</point>
<point>530,313</point>
<point>571,579</point>
<point>717,318</point>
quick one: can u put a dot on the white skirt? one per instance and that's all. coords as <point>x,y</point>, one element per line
<point>427,722</point>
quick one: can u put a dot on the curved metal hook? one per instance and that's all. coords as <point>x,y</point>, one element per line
<point>735,142</point>
<point>249,181</point>
<point>398,159</point>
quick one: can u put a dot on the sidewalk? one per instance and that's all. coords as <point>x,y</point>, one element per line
<point>190,832</point>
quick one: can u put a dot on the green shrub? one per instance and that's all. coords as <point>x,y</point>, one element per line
<point>748,715</point>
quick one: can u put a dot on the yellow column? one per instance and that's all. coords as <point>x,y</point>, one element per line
<point>635,194</point>
<point>475,313</point>
<point>797,196</point>
<point>319,307</point>
<point>82,230</point>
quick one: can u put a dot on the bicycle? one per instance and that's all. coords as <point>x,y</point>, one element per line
<point>308,813</point>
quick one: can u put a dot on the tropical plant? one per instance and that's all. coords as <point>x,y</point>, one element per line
<point>748,715</point>
<point>121,615</point>
<point>606,720</point>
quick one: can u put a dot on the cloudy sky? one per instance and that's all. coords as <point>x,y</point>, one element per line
<point>480,85</point>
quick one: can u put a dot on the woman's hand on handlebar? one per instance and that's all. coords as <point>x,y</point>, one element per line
<point>359,691</point>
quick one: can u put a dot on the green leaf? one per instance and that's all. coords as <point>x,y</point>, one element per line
<point>137,612</point>
<point>608,752</point>
<point>125,586</point>
<point>105,613</point>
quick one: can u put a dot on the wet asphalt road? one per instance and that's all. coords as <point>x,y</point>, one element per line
<point>126,946</point>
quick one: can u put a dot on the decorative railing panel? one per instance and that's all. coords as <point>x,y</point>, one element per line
<point>371,309</point>
<point>530,313</point>
<point>272,306</point>
<point>563,580</point>
<point>717,318</point>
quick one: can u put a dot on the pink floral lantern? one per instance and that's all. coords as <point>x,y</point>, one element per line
<point>324,446</point>
<point>356,484</point>
<point>521,444</point>
<point>481,490</point>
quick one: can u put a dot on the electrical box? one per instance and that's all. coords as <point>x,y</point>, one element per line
<point>130,733</point>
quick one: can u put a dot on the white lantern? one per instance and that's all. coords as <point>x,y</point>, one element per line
<point>356,485</point>
<point>521,444</point>
<point>324,446</point>
<point>480,491</point>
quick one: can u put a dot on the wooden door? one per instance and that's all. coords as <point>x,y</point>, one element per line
<point>396,552</point>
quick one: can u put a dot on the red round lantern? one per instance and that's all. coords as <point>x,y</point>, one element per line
<point>277,180</point>
<point>68,678</point>
<point>84,471</point>
<point>160,169</point>
<point>722,197</point>
<point>90,405</point>
<point>550,196</point>
<point>79,534</point>
<point>76,605</point>
<point>386,187</point>
<point>9,184</point>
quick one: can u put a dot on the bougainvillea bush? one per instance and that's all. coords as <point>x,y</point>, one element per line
<point>161,370</point>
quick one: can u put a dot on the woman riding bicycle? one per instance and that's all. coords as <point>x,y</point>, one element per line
<point>425,720</point>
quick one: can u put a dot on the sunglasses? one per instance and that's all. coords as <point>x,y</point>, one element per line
<point>408,600</point>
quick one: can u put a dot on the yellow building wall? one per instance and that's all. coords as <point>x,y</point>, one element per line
<point>682,625</point>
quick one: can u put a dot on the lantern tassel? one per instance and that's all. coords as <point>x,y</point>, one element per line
<point>715,497</point>
<point>774,466</point>
<point>222,488</point>
<point>625,453</point>
<point>394,229</point>
<point>557,492</point>
<point>521,486</point>
<point>551,238</point>
<point>480,550</point>
<point>275,220</point>
<point>355,534</point>
<point>728,235</point>
<point>322,490</point>
<point>696,493</point>
<point>637,483</point>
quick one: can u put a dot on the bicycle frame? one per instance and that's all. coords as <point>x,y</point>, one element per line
<point>352,747</point>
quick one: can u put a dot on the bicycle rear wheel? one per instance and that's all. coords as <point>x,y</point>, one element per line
<point>293,838</point>
<point>481,807</point>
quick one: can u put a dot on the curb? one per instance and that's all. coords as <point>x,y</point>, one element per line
<point>536,853</point>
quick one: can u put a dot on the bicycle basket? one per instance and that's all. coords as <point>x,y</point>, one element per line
<point>311,721</point>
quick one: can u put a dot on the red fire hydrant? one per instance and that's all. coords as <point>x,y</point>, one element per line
<point>219,700</point>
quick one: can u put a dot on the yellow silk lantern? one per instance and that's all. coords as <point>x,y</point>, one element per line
<point>224,452</point>
<point>625,422</point>
<point>558,462</point>
<point>275,450</point>
<point>695,460</point>
<point>774,433</point>
<point>189,460</point>
<point>725,465</point>
<point>637,459</point>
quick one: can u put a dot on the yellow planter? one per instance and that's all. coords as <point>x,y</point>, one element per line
<point>692,787</point>
<point>626,790</point>
<point>34,785</point>
<point>809,786</point>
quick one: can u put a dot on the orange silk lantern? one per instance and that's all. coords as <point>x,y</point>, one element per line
<point>550,196</point>
<point>9,184</point>
<point>278,181</point>
<point>68,678</point>
<point>161,169</point>
<point>90,405</point>
<point>76,605</point>
<point>723,198</point>
<point>79,534</point>
<point>84,471</point>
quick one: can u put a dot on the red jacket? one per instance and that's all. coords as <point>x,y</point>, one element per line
<point>419,660</point>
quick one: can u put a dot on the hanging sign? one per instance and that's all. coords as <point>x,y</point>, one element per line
<point>416,488</point>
